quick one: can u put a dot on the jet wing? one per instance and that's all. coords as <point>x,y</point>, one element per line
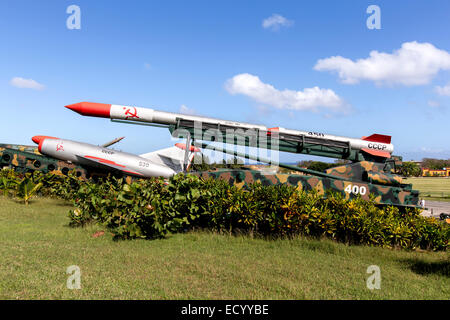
<point>106,164</point>
<point>110,143</point>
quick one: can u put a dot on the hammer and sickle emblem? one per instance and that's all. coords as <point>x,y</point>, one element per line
<point>130,114</point>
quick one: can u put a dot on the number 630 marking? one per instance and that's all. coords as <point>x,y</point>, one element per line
<point>362,190</point>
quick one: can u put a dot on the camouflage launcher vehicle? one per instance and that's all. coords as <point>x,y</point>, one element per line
<point>25,159</point>
<point>386,188</point>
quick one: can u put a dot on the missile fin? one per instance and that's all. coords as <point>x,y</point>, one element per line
<point>377,153</point>
<point>172,157</point>
<point>269,131</point>
<point>378,138</point>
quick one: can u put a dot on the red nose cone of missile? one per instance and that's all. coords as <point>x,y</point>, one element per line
<point>38,139</point>
<point>91,109</point>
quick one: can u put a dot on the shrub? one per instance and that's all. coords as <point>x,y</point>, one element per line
<point>152,209</point>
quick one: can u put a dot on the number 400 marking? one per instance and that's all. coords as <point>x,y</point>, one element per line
<point>362,190</point>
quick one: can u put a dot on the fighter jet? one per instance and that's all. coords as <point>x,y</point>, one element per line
<point>161,163</point>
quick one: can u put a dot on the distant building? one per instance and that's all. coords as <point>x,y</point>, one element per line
<point>436,173</point>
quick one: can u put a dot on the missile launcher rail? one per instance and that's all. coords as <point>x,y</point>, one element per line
<point>304,144</point>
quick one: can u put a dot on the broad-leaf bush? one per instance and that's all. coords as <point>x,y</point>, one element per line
<point>154,208</point>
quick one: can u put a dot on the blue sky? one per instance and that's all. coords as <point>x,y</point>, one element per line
<point>168,54</point>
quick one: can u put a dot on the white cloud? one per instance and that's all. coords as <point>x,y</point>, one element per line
<point>26,83</point>
<point>309,99</point>
<point>433,104</point>
<point>275,21</point>
<point>443,91</point>
<point>413,64</point>
<point>186,110</point>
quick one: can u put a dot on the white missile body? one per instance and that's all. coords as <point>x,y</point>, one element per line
<point>161,163</point>
<point>162,117</point>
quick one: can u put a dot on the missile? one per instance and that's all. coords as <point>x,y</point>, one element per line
<point>162,163</point>
<point>376,144</point>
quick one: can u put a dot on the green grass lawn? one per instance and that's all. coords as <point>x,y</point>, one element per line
<point>431,188</point>
<point>37,246</point>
